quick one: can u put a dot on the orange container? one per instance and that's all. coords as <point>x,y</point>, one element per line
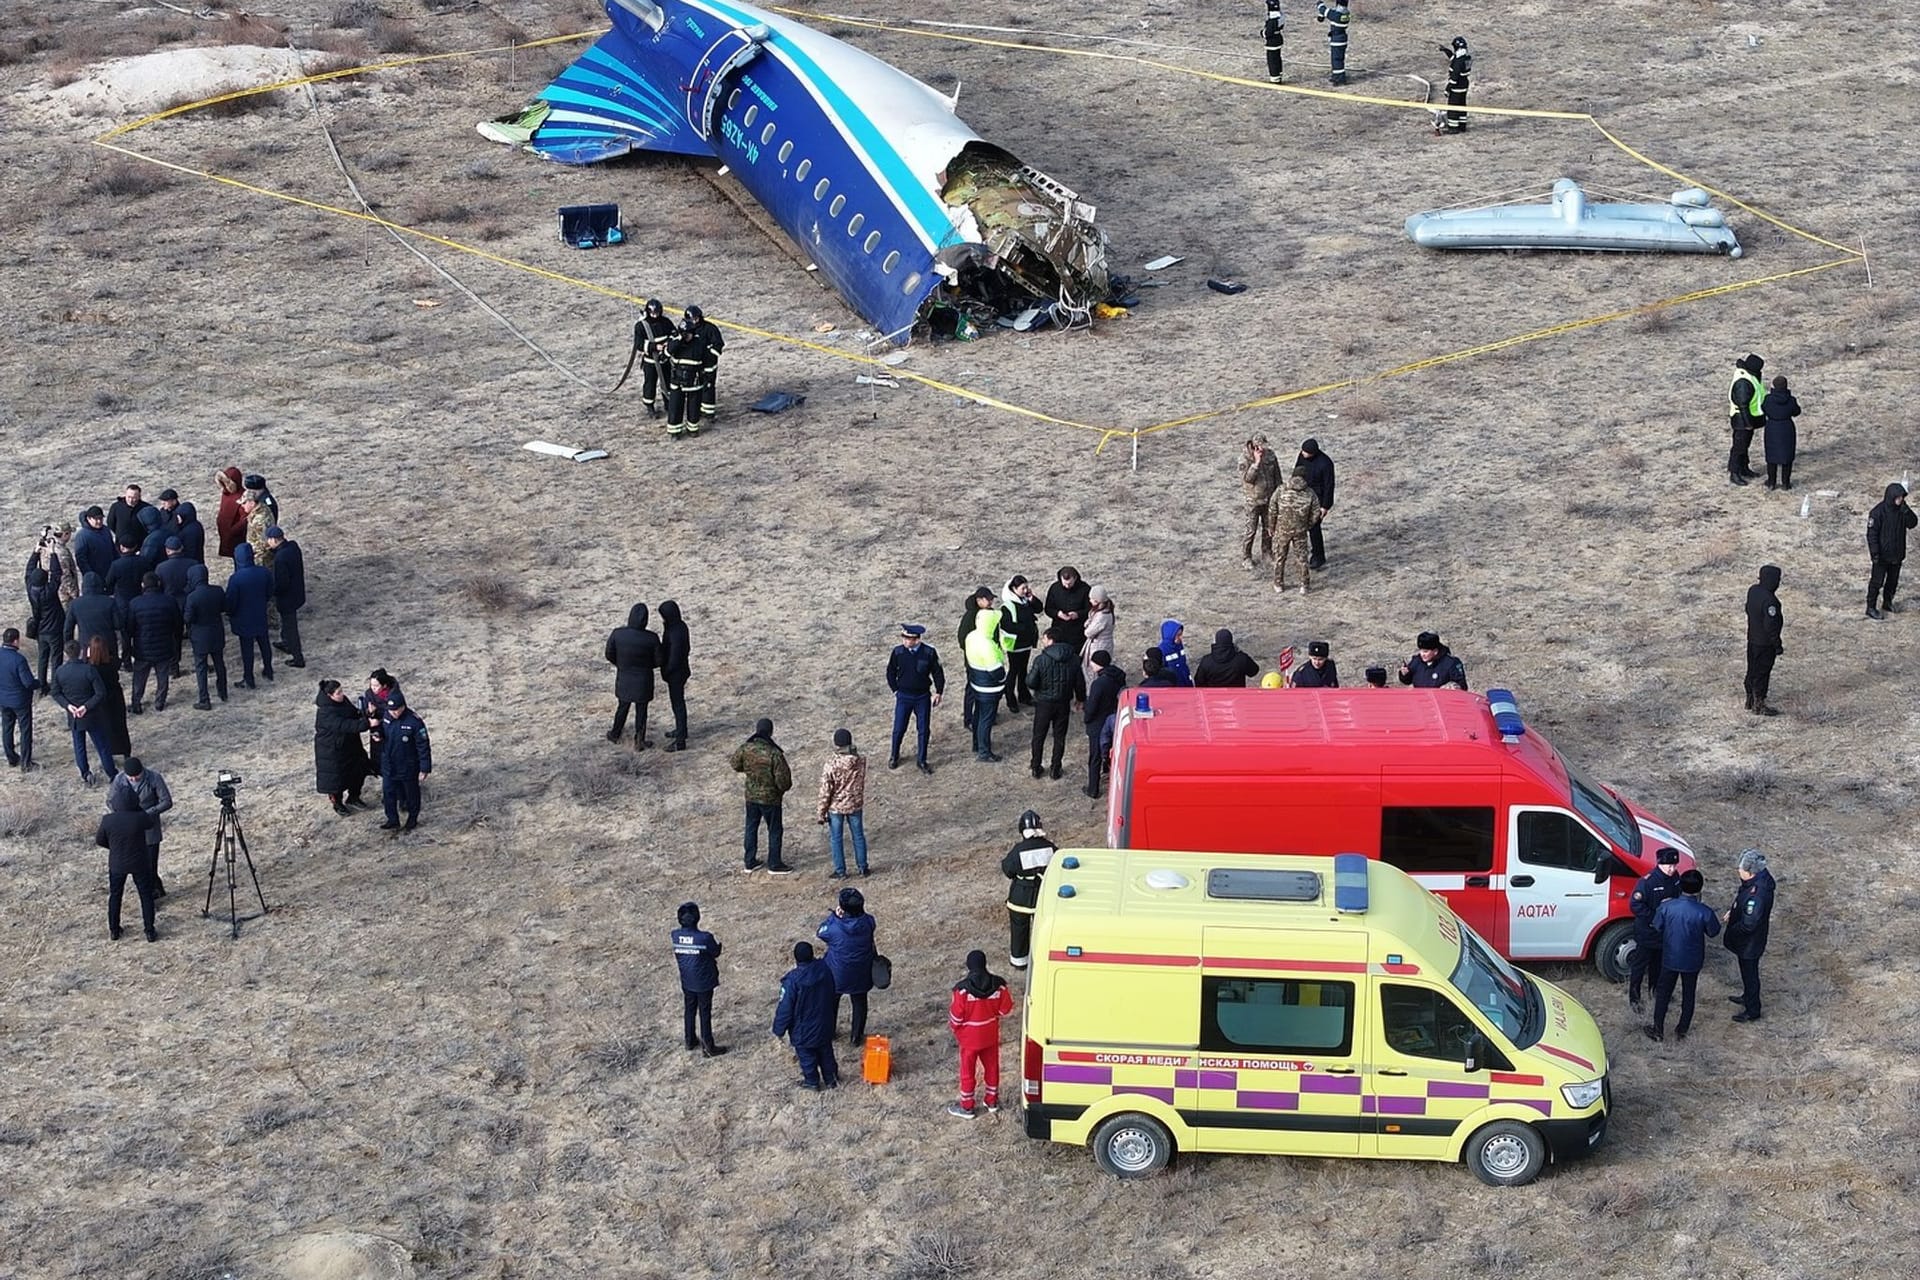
<point>876,1064</point>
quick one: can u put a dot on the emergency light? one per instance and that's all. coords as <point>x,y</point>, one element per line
<point>1350,883</point>
<point>1506,715</point>
<point>1140,704</point>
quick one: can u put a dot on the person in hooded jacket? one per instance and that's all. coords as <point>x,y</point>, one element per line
<point>1746,923</point>
<point>123,584</point>
<point>1777,413</point>
<point>1154,673</point>
<point>153,541</point>
<point>1887,526</point>
<point>1103,703</point>
<point>634,652</point>
<point>79,688</point>
<point>1067,604</point>
<point>1225,666</point>
<point>1745,398</point>
<point>1057,686</point>
<point>339,761</point>
<point>173,571</point>
<point>1025,867</point>
<point>93,547</point>
<point>979,1001</point>
<point>986,679</point>
<point>230,522</point>
<point>1764,625</point>
<point>1020,629</point>
<point>249,590</point>
<point>123,833</point>
<point>1433,665</point>
<point>192,534</point>
<point>94,614</point>
<point>696,953</point>
<point>289,593</point>
<point>848,933</point>
<point>806,1015</point>
<point>48,614</point>
<point>1320,671</point>
<point>1173,647</point>
<point>1319,479</point>
<point>154,623</point>
<point>674,647</point>
<point>205,617</point>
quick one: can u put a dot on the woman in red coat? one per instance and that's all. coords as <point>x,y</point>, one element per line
<point>980,1000</point>
<point>232,521</point>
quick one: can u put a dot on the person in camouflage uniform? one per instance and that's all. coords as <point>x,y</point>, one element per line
<point>768,778</point>
<point>1259,476</point>
<point>1295,511</point>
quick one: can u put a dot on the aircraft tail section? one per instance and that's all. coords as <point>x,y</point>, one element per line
<point>609,102</point>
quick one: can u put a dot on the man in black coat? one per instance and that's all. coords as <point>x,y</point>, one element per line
<point>123,584</point>
<point>93,548</point>
<point>634,652</point>
<point>1764,624</point>
<point>192,534</point>
<point>1103,702</point>
<point>206,623</point>
<point>1319,479</point>
<point>1057,685</point>
<point>674,668</point>
<point>289,593</point>
<point>94,614</point>
<point>1887,526</point>
<point>154,623</point>
<point>123,833</point>
<point>1746,925</point>
<point>1067,602</point>
<point>1020,630</point>
<point>1226,665</point>
<point>123,518</point>
<point>79,687</point>
<point>1433,665</point>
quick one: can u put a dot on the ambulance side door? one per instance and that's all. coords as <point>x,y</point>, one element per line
<point>1418,1087</point>
<point>1553,902</point>
<point>1282,1030</point>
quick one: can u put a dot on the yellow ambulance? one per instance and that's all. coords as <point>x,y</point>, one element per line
<point>1292,1006</point>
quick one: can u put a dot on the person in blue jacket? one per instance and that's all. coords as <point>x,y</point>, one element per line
<point>1684,925</point>
<point>17,687</point>
<point>1654,888</point>
<point>249,589</point>
<point>805,1016</point>
<point>1747,929</point>
<point>289,593</point>
<point>697,952</point>
<point>93,549</point>
<point>192,534</point>
<point>850,950</point>
<point>1173,647</point>
<point>406,758</point>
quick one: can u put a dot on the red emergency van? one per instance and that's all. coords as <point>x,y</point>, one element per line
<point>1474,805</point>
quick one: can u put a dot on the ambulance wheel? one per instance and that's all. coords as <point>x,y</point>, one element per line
<point>1507,1153</point>
<point>1613,949</point>
<point>1132,1146</point>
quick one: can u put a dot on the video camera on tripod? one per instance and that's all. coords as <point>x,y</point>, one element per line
<point>224,783</point>
<point>229,839</point>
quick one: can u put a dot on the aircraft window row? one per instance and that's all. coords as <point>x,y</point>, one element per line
<point>766,134</point>
<point>753,113</point>
<point>854,223</point>
<point>786,149</point>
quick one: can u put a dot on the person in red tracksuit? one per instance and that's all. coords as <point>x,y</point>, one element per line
<point>980,1000</point>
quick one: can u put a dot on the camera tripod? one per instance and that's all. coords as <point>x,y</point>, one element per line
<point>226,838</point>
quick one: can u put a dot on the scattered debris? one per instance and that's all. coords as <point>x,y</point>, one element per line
<point>1109,311</point>
<point>1225,286</point>
<point>588,226</point>
<point>825,326</point>
<point>1161,264</point>
<point>777,402</point>
<point>568,452</point>
<point>1025,320</point>
<point>1684,223</point>
<point>877,380</point>
<point>426,304</point>
<point>895,357</point>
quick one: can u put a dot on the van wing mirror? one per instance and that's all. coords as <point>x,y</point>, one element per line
<point>1476,1052</point>
<point>1610,866</point>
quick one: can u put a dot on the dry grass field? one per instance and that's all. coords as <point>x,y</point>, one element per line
<point>456,1054</point>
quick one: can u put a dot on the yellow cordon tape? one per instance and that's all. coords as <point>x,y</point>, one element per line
<point>1107,434</point>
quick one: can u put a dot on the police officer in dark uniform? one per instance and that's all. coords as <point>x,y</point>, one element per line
<point>697,952</point>
<point>1655,887</point>
<point>406,758</point>
<point>1025,866</point>
<point>1320,672</point>
<point>1747,929</point>
<point>917,680</point>
<point>650,334</point>
<point>1764,625</point>
<point>1276,39</point>
<point>1459,73</point>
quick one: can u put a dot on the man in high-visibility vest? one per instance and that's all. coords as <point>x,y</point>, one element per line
<point>1744,415</point>
<point>1276,39</point>
<point>1338,17</point>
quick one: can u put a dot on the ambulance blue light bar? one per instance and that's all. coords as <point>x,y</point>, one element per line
<point>1350,883</point>
<point>1506,715</point>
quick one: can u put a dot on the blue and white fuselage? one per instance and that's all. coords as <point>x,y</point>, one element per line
<point>865,167</point>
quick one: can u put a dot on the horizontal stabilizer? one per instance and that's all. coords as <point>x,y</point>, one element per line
<point>604,105</point>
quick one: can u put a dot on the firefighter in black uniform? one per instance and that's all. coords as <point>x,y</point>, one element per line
<point>687,363</point>
<point>712,344</point>
<point>650,334</point>
<point>1655,887</point>
<point>1459,72</point>
<point>1025,865</point>
<point>1338,16</point>
<point>1276,39</point>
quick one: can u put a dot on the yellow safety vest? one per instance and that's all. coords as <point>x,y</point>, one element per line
<point>1759,394</point>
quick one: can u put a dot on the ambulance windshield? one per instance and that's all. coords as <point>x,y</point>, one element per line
<point>1497,990</point>
<point>1600,807</point>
